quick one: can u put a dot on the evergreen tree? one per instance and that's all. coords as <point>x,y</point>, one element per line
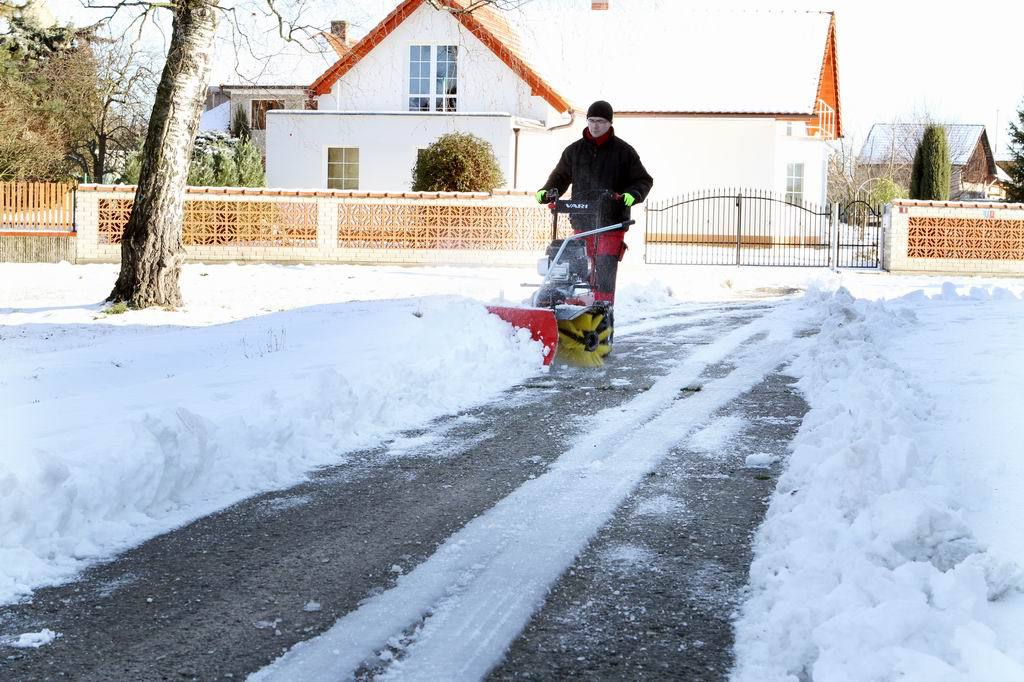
<point>240,127</point>
<point>916,172</point>
<point>932,168</point>
<point>225,170</point>
<point>250,165</point>
<point>217,161</point>
<point>1015,187</point>
<point>201,172</point>
<point>132,169</point>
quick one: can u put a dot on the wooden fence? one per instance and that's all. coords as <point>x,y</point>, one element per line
<point>37,207</point>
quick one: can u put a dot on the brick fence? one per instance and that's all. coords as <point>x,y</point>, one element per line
<point>330,226</point>
<point>967,238</point>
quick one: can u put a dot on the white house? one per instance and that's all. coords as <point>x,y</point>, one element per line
<point>709,99</point>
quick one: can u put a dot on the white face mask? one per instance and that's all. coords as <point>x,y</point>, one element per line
<point>598,126</point>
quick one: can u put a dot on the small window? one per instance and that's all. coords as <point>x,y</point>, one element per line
<point>343,168</point>
<point>260,107</point>
<point>795,183</point>
<point>419,78</point>
<point>446,82</point>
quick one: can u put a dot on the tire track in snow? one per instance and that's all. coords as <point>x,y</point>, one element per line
<point>472,597</point>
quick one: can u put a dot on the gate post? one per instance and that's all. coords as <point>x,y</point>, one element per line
<point>739,225</point>
<point>833,238</point>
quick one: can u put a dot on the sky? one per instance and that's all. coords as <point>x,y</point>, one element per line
<point>952,61</point>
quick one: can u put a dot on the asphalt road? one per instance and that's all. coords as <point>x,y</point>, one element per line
<point>651,597</point>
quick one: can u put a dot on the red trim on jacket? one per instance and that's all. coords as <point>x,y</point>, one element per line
<point>597,140</point>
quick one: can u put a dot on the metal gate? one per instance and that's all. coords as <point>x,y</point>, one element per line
<point>754,227</point>
<point>858,235</point>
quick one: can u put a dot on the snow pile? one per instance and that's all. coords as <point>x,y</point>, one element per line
<point>868,565</point>
<point>119,440</point>
<point>30,640</point>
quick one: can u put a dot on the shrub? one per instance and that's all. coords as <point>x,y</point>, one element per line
<point>885,190</point>
<point>457,162</point>
<point>116,308</point>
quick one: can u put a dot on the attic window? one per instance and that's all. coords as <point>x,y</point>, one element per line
<point>447,78</point>
<point>437,93</point>
<point>419,78</point>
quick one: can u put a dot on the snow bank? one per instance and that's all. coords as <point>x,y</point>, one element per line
<point>868,566</point>
<point>122,439</point>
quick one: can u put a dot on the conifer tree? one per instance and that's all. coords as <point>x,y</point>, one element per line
<point>932,168</point>
<point>1015,187</point>
<point>250,165</point>
<point>240,127</point>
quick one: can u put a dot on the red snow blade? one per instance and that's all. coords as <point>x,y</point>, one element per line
<point>540,321</point>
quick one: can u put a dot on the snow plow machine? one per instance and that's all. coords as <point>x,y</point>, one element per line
<point>569,313</point>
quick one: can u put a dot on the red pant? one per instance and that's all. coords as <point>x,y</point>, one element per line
<point>605,251</point>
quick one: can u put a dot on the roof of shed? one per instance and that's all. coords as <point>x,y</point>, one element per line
<point>897,142</point>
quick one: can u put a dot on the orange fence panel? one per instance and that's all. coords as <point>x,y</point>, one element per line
<point>42,206</point>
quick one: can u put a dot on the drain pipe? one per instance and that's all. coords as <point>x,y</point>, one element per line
<point>572,119</point>
<point>515,159</point>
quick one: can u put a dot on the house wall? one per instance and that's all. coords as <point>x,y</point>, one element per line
<point>813,153</point>
<point>380,80</point>
<point>297,144</point>
<point>685,154</point>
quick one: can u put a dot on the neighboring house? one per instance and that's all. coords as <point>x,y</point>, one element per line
<point>269,92</point>
<point>701,105</point>
<point>890,147</point>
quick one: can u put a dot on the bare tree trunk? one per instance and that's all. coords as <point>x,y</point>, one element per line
<point>99,159</point>
<point>151,249</point>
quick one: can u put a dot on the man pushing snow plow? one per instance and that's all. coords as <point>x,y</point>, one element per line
<point>572,309</point>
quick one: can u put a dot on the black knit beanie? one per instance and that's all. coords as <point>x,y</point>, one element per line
<point>600,109</point>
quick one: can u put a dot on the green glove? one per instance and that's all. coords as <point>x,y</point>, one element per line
<point>628,199</point>
<point>540,195</point>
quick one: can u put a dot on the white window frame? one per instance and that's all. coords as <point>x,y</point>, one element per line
<point>419,65</point>
<point>796,175</point>
<point>343,179</point>
<point>437,84</point>
<point>443,100</point>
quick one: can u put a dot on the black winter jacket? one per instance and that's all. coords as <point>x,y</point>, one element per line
<point>614,166</point>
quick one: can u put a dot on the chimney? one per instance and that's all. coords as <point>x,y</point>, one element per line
<point>598,4</point>
<point>339,29</point>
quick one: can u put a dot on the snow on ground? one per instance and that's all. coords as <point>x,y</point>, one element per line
<point>889,549</point>
<point>30,640</point>
<point>120,427</point>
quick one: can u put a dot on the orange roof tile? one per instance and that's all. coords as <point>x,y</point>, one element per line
<point>828,81</point>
